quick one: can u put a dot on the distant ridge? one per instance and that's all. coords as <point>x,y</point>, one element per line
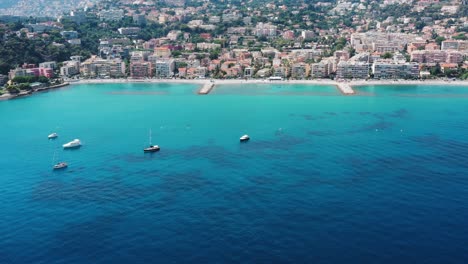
<point>39,8</point>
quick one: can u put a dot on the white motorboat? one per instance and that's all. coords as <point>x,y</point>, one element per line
<point>60,165</point>
<point>244,138</point>
<point>72,144</point>
<point>52,136</point>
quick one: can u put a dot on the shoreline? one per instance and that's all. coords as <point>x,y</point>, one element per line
<point>408,82</point>
<point>205,82</point>
<point>8,96</point>
<point>256,81</point>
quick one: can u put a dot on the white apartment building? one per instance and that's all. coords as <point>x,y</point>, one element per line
<point>164,68</point>
<point>352,70</point>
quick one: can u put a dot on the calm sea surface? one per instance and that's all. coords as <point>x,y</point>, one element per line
<point>379,177</point>
<point>6,3</point>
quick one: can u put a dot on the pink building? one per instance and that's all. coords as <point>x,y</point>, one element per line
<point>35,71</point>
<point>141,69</point>
<point>415,46</point>
<point>341,55</point>
<point>206,36</point>
<point>432,46</point>
<point>429,56</point>
<point>46,72</point>
<point>182,72</point>
<point>288,34</point>
<point>454,57</point>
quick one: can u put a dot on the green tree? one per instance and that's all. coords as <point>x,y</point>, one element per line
<point>436,71</point>
<point>214,54</point>
<point>460,36</point>
<point>387,55</point>
<point>24,86</point>
<point>13,89</point>
<point>419,25</point>
<point>176,53</point>
<point>439,40</point>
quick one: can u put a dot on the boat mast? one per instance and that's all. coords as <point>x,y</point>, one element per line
<point>150,137</point>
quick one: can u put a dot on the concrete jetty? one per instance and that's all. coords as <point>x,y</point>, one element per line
<point>345,88</point>
<point>206,88</point>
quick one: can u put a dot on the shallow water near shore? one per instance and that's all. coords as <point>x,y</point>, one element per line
<point>378,177</point>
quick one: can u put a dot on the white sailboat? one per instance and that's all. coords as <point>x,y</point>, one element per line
<point>60,165</point>
<point>151,148</point>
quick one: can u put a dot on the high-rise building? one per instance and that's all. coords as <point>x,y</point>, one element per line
<point>389,69</point>
<point>352,70</point>
<point>141,69</point>
<point>319,70</point>
<point>164,68</point>
<point>111,15</point>
<point>103,68</point>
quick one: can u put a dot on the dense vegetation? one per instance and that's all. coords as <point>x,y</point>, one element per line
<point>30,79</point>
<point>15,50</point>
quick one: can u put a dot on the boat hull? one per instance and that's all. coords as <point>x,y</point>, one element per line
<point>73,144</point>
<point>60,166</point>
<point>71,147</point>
<point>244,138</point>
<point>151,150</point>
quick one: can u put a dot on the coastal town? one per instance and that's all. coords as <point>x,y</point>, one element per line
<point>234,131</point>
<point>204,40</point>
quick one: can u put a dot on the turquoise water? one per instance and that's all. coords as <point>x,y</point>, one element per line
<point>379,177</point>
<point>6,3</point>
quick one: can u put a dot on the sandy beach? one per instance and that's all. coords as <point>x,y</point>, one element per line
<point>97,81</point>
<point>408,82</point>
<point>259,81</point>
<point>5,96</point>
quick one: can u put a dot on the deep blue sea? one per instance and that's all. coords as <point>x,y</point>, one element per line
<point>378,177</point>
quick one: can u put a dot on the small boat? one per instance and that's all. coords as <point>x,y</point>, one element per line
<point>72,144</point>
<point>60,165</point>
<point>52,136</point>
<point>244,138</point>
<point>151,148</point>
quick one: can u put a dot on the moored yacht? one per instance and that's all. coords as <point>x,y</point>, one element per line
<point>72,144</point>
<point>52,136</point>
<point>60,165</point>
<point>244,138</point>
<point>152,148</point>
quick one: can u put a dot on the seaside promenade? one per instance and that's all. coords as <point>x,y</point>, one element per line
<point>351,83</point>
